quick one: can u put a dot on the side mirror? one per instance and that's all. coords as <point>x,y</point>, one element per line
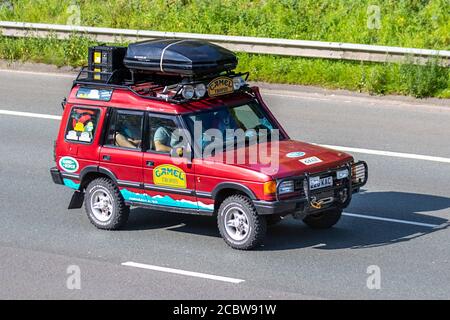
<point>63,103</point>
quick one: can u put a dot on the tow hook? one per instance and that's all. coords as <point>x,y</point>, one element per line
<point>316,204</point>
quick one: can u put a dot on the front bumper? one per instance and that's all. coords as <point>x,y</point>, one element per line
<point>337,196</point>
<point>278,207</point>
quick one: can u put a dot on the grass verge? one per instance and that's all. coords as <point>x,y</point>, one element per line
<point>430,80</point>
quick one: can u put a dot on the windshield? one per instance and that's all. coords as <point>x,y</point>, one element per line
<point>248,122</point>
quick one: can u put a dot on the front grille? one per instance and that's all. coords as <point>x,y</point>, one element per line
<point>300,184</point>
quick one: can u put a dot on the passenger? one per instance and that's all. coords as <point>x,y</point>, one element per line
<point>164,139</point>
<point>128,134</point>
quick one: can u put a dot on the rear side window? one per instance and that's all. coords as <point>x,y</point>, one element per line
<point>82,124</point>
<point>125,129</point>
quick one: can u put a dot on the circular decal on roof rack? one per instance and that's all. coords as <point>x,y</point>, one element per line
<point>296,154</point>
<point>69,164</point>
<point>220,86</point>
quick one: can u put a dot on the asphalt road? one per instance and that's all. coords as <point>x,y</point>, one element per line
<point>40,238</point>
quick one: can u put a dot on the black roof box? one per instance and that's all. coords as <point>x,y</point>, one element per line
<point>179,57</point>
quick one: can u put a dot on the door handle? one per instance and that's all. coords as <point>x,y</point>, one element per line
<point>149,163</point>
<point>106,157</point>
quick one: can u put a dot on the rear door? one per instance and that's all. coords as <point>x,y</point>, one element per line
<point>122,150</point>
<point>80,132</point>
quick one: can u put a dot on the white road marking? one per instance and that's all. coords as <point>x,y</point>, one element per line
<point>363,216</point>
<point>388,153</point>
<point>182,272</point>
<point>367,100</point>
<point>295,96</point>
<point>37,73</point>
<point>29,114</point>
<point>340,148</point>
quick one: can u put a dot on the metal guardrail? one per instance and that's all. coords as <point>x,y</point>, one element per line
<point>283,47</point>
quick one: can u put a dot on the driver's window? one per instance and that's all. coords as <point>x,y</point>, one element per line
<point>164,135</point>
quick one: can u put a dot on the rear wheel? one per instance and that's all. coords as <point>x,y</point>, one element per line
<point>323,220</point>
<point>105,205</point>
<point>239,224</point>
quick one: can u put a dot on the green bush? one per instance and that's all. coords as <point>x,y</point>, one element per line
<point>377,80</point>
<point>407,23</point>
<point>424,81</point>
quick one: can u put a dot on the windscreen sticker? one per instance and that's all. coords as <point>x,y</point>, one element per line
<point>85,137</point>
<point>72,135</point>
<point>94,94</point>
<point>309,161</point>
<point>169,176</point>
<point>69,164</point>
<point>296,154</point>
<point>79,127</point>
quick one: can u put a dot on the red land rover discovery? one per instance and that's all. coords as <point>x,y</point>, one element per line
<point>168,125</point>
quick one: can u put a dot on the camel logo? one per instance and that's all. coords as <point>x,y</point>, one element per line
<point>220,86</point>
<point>169,176</point>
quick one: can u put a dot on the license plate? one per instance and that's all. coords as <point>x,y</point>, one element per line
<point>317,182</point>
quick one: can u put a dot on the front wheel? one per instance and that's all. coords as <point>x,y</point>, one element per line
<point>323,220</point>
<point>239,224</point>
<point>105,205</point>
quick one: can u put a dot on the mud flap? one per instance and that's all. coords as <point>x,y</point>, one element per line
<point>77,200</point>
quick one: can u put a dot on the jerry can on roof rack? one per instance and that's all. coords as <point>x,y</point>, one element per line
<point>104,60</point>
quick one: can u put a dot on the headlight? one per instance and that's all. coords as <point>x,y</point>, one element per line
<point>286,187</point>
<point>238,82</point>
<point>200,90</point>
<point>359,173</point>
<point>342,174</point>
<point>187,92</point>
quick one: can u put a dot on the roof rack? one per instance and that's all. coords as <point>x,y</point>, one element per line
<point>153,86</point>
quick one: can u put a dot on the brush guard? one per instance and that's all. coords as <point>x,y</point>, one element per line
<point>339,195</point>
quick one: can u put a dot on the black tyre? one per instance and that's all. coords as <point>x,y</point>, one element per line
<point>239,224</point>
<point>323,220</point>
<point>105,205</point>
<point>273,220</point>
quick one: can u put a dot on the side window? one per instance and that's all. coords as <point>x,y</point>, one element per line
<point>82,124</point>
<point>250,117</point>
<point>163,134</point>
<point>246,116</point>
<point>125,129</point>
